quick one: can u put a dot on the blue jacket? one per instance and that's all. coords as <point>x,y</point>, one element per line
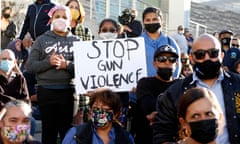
<point>36,19</point>
<point>230,58</point>
<point>83,134</point>
<point>165,127</point>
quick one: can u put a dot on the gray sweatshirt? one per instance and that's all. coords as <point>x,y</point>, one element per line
<point>39,59</point>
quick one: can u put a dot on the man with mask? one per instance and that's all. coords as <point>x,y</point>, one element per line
<point>148,89</point>
<point>206,57</point>
<point>154,38</point>
<point>231,54</point>
<point>181,40</point>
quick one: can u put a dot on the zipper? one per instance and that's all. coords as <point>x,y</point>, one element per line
<point>36,17</point>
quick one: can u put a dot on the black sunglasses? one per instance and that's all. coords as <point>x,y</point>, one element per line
<point>165,58</point>
<point>200,54</point>
<point>235,45</point>
<point>184,60</point>
<point>112,30</point>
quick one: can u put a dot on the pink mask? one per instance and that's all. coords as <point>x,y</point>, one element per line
<point>61,25</point>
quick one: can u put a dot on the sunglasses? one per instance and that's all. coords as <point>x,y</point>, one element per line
<point>235,45</point>
<point>200,54</point>
<point>165,58</point>
<point>184,60</point>
<point>112,30</point>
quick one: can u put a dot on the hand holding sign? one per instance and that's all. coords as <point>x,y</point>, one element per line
<point>116,63</point>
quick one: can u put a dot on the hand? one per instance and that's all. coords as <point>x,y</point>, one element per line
<point>151,117</point>
<point>54,59</point>
<point>126,28</point>
<point>134,89</point>
<point>63,62</point>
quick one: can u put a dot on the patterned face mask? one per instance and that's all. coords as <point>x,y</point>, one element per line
<point>100,117</point>
<point>19,133</point>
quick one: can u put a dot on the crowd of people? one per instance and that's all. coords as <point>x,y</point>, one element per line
<point>190,95</point>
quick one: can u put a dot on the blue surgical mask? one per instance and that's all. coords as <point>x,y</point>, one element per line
<point>6,65</point>
<point>100,117</point>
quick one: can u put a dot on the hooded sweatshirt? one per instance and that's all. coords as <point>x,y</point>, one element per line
<point>39,59</point>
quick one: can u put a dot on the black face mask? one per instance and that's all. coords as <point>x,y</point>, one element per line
<point>226,41</point>
<point>165,73</point>
<point>204,131</point>
<point>207,69</point>
<point>152,28</point>
<point>6,15</point>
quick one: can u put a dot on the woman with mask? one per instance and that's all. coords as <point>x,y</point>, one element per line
<point>148,89</point>
<point>154,37</point>
<point>103,127</point>
<point>200,116</point>
<point>15,123</point>
<point>51,60</point>
<point>108,29</point>
<point>8,28</point>
<point>78,16</point>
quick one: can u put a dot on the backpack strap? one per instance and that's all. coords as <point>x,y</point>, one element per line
<point>83,134</point>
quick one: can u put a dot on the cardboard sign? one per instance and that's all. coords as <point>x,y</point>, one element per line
<point>114,63</point>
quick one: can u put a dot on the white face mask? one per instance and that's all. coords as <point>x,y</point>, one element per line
<point>60,24</point>
<point>181,32</point>
<point>108,35</point>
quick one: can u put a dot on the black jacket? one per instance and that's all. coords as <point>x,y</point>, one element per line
<point>165,127</point>
<point>36,21</point>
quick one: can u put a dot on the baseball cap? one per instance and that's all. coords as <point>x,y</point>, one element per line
<point>165,49</point>
<point>226,31</point>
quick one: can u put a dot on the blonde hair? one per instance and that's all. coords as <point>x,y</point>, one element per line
<point>81,10</point>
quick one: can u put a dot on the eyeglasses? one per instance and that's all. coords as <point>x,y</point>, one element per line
<point>112,30</point>
<point>235,45</point>
<point>200,54</point>
<point>165,58</point>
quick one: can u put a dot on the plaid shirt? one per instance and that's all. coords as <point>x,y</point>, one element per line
<point>83,32</point>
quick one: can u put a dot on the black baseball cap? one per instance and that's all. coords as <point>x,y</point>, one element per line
<point>226,31</point>
<point>165,49</point>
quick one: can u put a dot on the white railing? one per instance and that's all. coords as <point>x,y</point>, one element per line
<point>199,28</point>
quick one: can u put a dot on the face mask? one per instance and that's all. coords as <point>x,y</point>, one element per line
<point>75,14</point>
<point>204,131</point>
<point>19,133</point>
<point>226,41</point>
<point>181,32</point>
<point>6,15</point>
<point>165,73</point>
<point>108,35</point>
<point>152,28</point>
<point>61,25</point>
<point>100,118</point>
<point>6,65</point>
<point>208,69</point>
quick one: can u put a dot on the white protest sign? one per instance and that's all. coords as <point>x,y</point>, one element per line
<point>114,63</point>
